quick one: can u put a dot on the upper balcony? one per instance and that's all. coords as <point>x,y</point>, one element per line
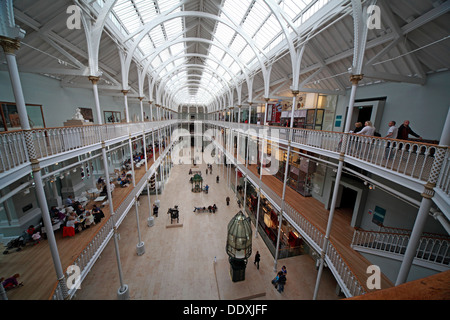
<point>59,144</point>
<point>410,163</point>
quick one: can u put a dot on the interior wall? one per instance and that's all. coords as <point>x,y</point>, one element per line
<point>425,106</point>
<point>59,103</point>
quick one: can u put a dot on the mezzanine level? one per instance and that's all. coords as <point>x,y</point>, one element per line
<point>402,159</point>
<point>57,144</point>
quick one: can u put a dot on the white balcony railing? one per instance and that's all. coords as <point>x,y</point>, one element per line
<point>434,250</point>
<point>411,159</point>
<point>53,141</point>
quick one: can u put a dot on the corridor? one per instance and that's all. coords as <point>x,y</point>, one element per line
<point>178,263</point>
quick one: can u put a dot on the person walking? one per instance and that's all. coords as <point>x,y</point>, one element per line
<point>281,282</point>
<point>228,200</point>
<point>405,130</point>
<point>257,259</point>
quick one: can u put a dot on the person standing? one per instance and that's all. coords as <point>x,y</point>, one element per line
<point>391,134</point>
<point>228,200</point>
<point>281,282</point>
<point>257,259</point>
<point>358,127</point>
<point>392,131</point>
<point>155,210</point>
<point>405,130</point>
<point>368,130</point>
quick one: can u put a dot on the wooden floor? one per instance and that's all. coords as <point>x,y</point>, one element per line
<point>178,263</point>
<point>38,285</point>
<point>32,260</point>
<point>341,232</point>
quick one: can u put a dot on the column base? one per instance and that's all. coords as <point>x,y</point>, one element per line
<point>150,221</point>
<point>140,249</point>
<point>123,294</point>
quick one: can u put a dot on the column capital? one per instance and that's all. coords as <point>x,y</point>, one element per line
<point>250,103</point>
<point>94,79</point>
<point>141,98</point>
<point>239,106</point>
<point>124,92</point>
<point>355,78</point>
<point>150,102</point>
<point>10,46</point>
<point>295,92</point>
<point>267,99</point>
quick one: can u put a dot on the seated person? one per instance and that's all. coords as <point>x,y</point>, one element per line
<point>69,201</point>
<point>56,214</point>
<point>89,219</point>
<point>71,219</point>
<point>28,235</point>
<point>79,209</point>
<point>104,192</point>
<point>11,282</point>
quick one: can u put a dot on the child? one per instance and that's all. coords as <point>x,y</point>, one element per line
<point>36,238</point>
<point>11,282</point>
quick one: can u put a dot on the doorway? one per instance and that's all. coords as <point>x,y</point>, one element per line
<point>364,114</point>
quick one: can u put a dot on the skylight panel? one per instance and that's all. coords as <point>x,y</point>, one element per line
<point>236,9</point>
<point>157,36</point>
<point>247,55</point>
<point>216,52</point>
<point>165,5</point>
<point>227,60</point>
<point>173,28</point>
<point>146,46</point>
<point>224,34</point>
<point>238,44</point>
<point>268,31</point>
<point>146,9</point>
<point>177,49</point>
<point>165,55</point>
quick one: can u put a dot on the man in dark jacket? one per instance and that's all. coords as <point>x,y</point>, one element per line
<point>404,131</point>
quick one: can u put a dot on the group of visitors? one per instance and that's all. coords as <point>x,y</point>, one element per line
<point>280,280</point>
<point>124,179</point>
<point>211,209</point>
<point>78,217</point>
<point>401,133</point>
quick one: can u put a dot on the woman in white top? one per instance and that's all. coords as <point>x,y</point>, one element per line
<point>368,129</point>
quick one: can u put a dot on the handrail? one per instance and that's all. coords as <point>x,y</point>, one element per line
<point>53,141</point>
<point>89,254</point>
<point>429,249</point>
<point>411,159</point>
<point>348,279</point>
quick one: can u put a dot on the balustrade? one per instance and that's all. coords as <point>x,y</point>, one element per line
<point>430,249</point>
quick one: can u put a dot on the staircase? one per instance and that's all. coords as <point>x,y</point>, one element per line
<point>433,251</point>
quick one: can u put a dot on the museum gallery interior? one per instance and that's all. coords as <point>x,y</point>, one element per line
<point>191,149</point>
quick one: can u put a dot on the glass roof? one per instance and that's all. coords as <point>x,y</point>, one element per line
<point>240,20</point>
